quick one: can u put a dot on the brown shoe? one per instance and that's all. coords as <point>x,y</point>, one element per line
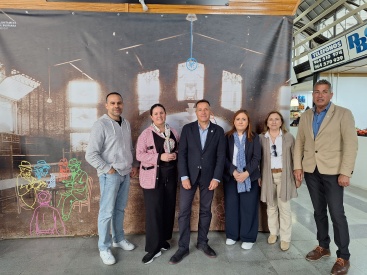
<point>341,266</point>
<point>272,239</point>
<point>317,254</point>
<point>284,245</point>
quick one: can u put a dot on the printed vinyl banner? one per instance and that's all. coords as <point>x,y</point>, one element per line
<point>56,69</point>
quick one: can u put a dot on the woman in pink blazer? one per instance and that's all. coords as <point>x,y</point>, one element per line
<point>157,152</point>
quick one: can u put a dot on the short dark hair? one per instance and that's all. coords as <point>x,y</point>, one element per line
<point>202,101</point>
<point>155,106</point>
<point>114,93</point>
<point>323,82</point>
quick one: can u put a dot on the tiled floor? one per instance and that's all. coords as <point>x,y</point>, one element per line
<point>80,255</point>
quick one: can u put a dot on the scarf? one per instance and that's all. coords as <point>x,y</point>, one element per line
<point>241,162</point>
<point>169,143</point>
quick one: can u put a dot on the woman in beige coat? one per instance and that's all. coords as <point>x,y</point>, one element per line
<point>278,184</point>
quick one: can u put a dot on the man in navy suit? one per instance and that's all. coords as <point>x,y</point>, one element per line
<point>201,158</point>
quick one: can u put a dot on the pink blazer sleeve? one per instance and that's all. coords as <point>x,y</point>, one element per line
<point>146,152</point>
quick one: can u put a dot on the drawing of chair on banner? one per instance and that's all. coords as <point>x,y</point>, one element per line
<point>86,202</point>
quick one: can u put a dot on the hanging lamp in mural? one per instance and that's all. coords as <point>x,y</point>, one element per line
<point>49,100</point>
<point>191,63</point>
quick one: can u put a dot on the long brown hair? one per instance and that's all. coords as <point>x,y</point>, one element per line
<point>248,129</point>
<point>284,130</point>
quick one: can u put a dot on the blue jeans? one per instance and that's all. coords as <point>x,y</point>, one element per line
<point>114,194</point>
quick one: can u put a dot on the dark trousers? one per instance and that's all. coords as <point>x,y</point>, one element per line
<point>205,214</point>
<point>325,192</point>
<point>160,204</point>
<point>241,212</point>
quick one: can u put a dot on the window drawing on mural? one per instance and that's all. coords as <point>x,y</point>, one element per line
<point>148,90</point>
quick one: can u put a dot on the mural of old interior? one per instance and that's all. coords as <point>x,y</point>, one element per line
<point>56,69</point>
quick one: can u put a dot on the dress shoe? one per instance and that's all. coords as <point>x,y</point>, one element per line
<point>246,245</point>
<point>165,246</point>
<point>272,239</point>
<point>230,242</point>
<point>178,256</point>
<point>208,251</point>
<point>341,266</point>
<point>284,245</point>
<point>318,253</point>
<point>148,258</point>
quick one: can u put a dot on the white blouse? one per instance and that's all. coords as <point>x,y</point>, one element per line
<point>276,161</point>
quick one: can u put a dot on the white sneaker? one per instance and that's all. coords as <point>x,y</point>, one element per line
<point>107,257</point>
<point>247,246</point>
<point>125,245</point>
<point>230,242</point>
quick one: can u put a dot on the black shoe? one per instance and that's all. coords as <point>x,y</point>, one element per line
<point>166,246</point>
<point>207,250</point>
<point>178,256</point>
<point>148,258</point>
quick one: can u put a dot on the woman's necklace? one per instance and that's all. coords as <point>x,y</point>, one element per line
<point>273,138</point>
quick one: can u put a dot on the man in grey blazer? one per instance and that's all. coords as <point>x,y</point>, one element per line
<point>201,157</point>
<point>325,151</point>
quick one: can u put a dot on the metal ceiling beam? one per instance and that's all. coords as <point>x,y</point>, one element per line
<point>310,8</point>
<point>331,25</point>
<point>321,15</point>
<point>356,16</point>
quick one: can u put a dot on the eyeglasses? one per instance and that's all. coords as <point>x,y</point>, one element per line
<point>274,153</point>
